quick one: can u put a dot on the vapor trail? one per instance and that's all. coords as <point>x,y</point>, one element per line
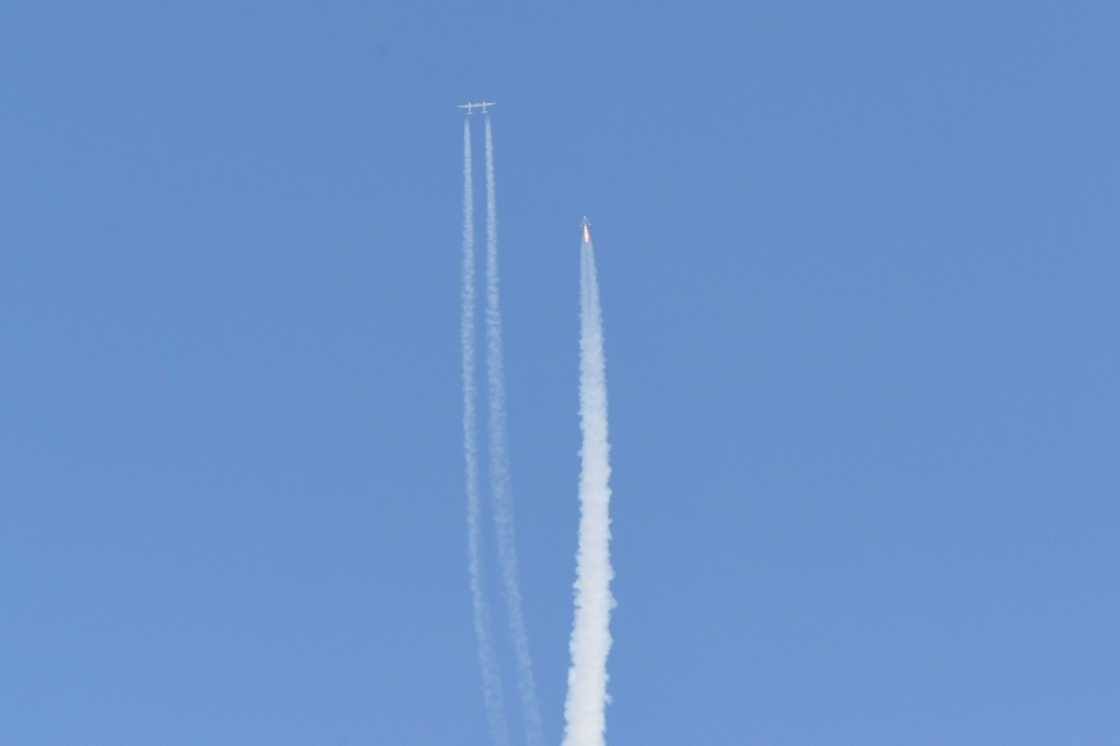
<point>584,711</point>
<point>499,465</point>
<point>491,682</point>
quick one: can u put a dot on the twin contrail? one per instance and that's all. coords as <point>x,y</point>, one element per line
<point>499,464</point>
<point>488,661</point>
<point>584,711</point>
<point>500,481</point>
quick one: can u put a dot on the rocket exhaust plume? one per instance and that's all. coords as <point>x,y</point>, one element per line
<point>499,465</point>
<point>488,661</point>
<point>584,711</point>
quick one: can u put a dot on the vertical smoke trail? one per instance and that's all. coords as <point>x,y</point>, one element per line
<point>584,711</point>
<point>499,464</point>
<point>491,683</point>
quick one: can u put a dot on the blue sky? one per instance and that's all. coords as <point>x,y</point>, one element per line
<point>858,265</point>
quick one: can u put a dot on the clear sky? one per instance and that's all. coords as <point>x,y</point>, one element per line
<point>858,264</point>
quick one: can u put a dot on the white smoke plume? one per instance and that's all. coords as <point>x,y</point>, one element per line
<point>491,680</point>
<point>585,709</point>
<point>499,465</point>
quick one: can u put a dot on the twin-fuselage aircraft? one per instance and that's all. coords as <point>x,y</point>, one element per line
<point>470,106</point>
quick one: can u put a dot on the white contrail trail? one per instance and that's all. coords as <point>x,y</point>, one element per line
<point>584,711</point>
<point>491,681</point>
<point>499,465</point>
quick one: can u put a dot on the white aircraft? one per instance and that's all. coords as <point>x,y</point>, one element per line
<point>470,106</point>
<point>586,230</point>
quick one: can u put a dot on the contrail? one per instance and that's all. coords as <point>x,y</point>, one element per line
<point>491,682</point>
<point>499,465</point>
<point>584,711</point>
